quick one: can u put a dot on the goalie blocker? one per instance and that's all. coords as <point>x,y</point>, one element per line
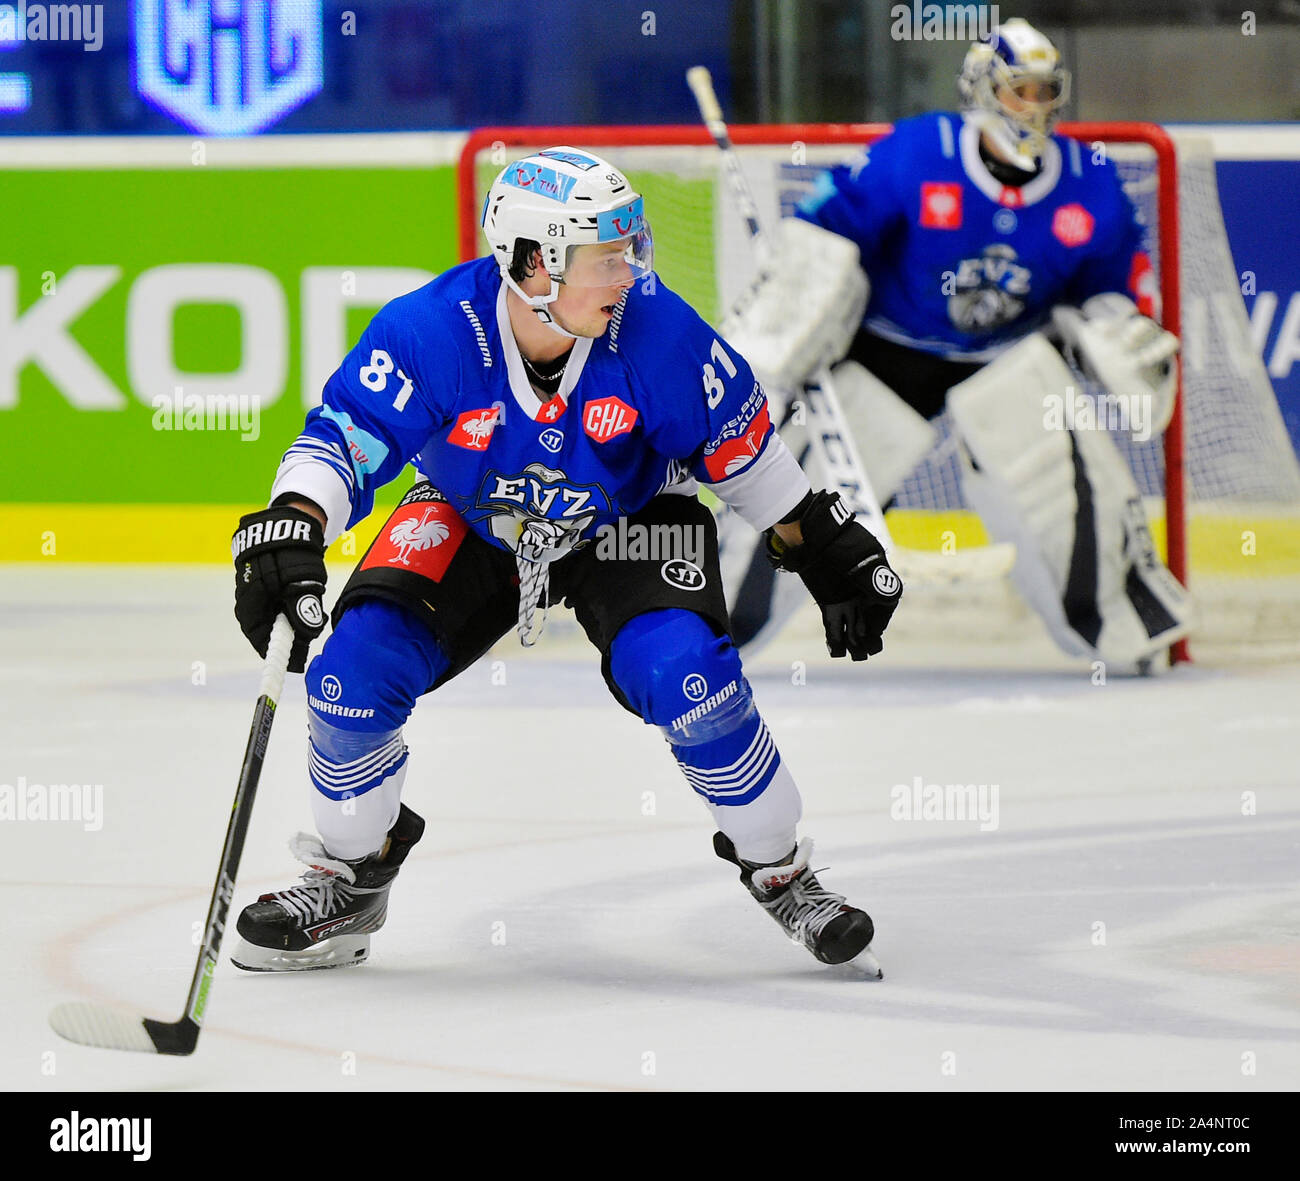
<point>1085,559</point>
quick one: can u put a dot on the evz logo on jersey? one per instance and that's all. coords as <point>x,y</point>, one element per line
<point>607,418</point>
<point>538,492</point>
<point>542,492</point>
<point>988,291</point>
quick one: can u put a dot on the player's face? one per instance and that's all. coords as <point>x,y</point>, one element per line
<point>595,280</point>
<point>1028,94</point>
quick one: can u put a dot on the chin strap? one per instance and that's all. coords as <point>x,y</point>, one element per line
<point>539,304</point>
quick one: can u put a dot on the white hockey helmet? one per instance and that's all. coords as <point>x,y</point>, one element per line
<point>1014,84</point>
<point>562,198</point>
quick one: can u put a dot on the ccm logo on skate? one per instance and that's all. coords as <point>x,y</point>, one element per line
<point>326,930</point>
<point>886,581</point>
<point>682,574</point>
<point>606,418</point>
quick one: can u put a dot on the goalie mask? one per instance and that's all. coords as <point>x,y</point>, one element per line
<point>1013,85</point>
<point>563,199</point>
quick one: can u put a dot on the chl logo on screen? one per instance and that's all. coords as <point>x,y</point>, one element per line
<point>228,67</point>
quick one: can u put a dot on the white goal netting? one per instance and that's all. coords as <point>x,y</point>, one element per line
<point>1239,515</point>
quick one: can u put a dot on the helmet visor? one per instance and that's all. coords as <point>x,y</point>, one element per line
<point>619,262</point>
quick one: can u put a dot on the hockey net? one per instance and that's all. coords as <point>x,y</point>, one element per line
<point>1221,485</point>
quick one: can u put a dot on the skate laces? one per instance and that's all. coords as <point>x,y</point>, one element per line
<point>325,886</point>
<point>804,906</point>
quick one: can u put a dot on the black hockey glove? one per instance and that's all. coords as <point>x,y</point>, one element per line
<point>280,568</point>
<point>846,572</point>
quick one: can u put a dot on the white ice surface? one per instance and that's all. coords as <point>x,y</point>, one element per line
<point>632,958</point>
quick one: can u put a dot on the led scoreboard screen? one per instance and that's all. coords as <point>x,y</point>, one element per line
<point>244,67</point>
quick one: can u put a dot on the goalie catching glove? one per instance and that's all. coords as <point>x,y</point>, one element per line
<point>845,570</point>
<point>280,569</point>
<point>1129,355</point>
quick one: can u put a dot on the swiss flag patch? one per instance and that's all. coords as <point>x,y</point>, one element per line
<point>551,410</point>
<point>1072,225</point>
<point>736,454</point>
<point>473,429</point>
<point>607,418</point>
<point>940,205</point>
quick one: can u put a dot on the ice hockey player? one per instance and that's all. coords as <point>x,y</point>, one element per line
<point>989,245</point>
<point>544,392</point>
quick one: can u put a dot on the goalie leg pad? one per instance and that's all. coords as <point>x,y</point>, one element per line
<point>1066,498</point>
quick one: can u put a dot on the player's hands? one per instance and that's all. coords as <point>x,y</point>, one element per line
<point>845,570</point>
<point>280,568</point>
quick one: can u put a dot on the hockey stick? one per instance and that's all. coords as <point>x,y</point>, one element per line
<point>828,434</point>
<point>112,1029</point>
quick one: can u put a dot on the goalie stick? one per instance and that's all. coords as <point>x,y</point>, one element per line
<point>828,433</point>
<point>112,1029</point>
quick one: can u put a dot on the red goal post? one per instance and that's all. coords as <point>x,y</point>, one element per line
<point>1156,139</point>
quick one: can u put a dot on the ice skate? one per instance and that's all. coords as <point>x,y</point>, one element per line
<point>824,922</point>
<point>327,921</point>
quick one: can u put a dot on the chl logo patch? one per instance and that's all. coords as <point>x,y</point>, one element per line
<point>682,574</point>
<point>607,418</point>
<point>695,687</point>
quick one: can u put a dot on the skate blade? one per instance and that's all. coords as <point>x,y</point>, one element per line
<point>863,966</point>
<point>343,951</point>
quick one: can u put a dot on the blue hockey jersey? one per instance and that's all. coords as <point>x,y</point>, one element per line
<point>655,404</point>
<point>962,265</point>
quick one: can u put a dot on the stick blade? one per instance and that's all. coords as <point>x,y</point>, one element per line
<point>109,1029</point>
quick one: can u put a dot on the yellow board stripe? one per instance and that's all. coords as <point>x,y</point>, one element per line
<point>1249,545</point>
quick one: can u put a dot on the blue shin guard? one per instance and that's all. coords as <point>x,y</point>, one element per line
<point>679,675</point>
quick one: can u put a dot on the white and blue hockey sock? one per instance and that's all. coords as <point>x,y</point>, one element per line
<point>360,691</point>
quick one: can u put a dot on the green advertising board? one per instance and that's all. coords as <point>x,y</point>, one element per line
<point>170,309</point>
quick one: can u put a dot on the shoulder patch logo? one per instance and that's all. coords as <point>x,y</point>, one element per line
<point>1073,224</point>
<point>473,429</point>
<point>941,205</point>
<point>607,418</point>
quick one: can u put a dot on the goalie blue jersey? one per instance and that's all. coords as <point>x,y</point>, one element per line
<point>962,265</point>
<point>655,404</point>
